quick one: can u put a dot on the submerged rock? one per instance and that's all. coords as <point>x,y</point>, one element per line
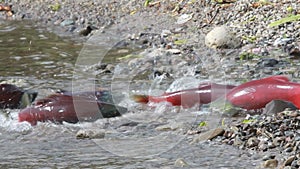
<point>180,163</point>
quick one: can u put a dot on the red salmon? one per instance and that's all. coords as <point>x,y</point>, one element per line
<point>257,93</point>
<point>204,94</point>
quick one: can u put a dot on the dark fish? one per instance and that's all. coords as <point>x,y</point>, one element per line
<point>72,108</point>
<point>14,98</point>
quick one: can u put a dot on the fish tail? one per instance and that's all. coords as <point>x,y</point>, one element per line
<point>140,98</point>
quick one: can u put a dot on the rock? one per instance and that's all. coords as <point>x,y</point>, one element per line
<point>237,141</point>
<point>86,31</point>
<point>91,134</point>
<point>174,51</point>
<point>277,106</point>
<point>288,161</point>
<point>272,163</point>
<point>180,163</point>
<point>252,142</point>
<point>184,18</point>
<point>216,132</point>
<point>170,127</point>
<point>262,146</point>
<point>67,22</point>
<point>268,157</point>
<point>222,37</point>
<point>209,135</point>
<point>267,62</point>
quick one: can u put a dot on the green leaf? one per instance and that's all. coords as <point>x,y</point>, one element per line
<point>223,122</point>
<point>180,42</point>
<point>285,20</point>
<point>202,124</point>
<point>247,121</point>
<point>289,9</point>
<point>146,3</point>
<point>55,7</point>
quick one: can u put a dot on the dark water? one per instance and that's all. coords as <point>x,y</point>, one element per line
<point>33,58</point>
<point>33,54</point>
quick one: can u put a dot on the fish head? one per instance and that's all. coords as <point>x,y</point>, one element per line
<point>29,115</point>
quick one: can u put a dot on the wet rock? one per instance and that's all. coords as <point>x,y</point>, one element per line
<point>216,132</point>
<point>86,31</point>
<point>171,126</point>
<point>180,163</point>
<point>272,163</point>
<point>209,135</point>
<point>221,37</point>
<point>267,62</point>
<point>277,106</point>
<point>90,134</point>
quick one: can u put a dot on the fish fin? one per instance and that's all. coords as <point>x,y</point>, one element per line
<point>111,110</point>
<point>140,98</point>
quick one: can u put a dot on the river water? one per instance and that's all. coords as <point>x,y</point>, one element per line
<point>145,137</point>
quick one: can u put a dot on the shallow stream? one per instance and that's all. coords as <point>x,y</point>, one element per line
<point>144,138</point>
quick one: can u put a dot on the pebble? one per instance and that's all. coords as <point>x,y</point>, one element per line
<point>90,134</point>
<point>288,161</point>
<point>174,51</point>
<point>180,162</point>
<point>221,37</point>
<point>67,22</point>
<point>209,135</point>
<point>272,163</point>
<point>184,18</point>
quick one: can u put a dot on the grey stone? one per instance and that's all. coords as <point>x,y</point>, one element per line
<point>272,163</point>
<point>90,134</point>
<point>222,37</point>
<point>277,106</point>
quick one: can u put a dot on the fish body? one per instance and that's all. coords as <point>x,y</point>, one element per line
<point>14,97</point>
<point>204,94</point>
<point>68,107</point>
<point>257,93</point>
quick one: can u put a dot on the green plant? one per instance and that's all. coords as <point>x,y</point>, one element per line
<point>55,7</point>
<point>146,3</point>
<point>285,20</point>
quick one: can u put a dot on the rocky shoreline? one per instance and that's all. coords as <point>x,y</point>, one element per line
<point>179,29</point>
